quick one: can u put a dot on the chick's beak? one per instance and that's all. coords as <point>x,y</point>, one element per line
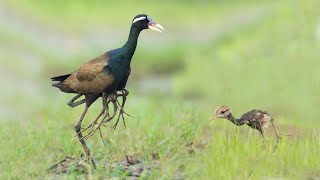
<point>156,27</point>
<point>213,118</point>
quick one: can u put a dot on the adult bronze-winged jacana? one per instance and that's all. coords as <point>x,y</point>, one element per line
<point>256,119</point>
<point>104,75</point>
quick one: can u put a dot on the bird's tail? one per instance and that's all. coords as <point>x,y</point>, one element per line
<point>57,85</point>
<point>60,79</point>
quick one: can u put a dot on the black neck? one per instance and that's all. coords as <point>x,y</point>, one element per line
<point>234,120</point>
<point>131,44</point>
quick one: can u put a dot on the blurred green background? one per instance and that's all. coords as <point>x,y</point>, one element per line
<point>245,54</point>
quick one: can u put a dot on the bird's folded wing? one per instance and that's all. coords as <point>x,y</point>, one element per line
<point>92,77</point>
<point>248,117</point>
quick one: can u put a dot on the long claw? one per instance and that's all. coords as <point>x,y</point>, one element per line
<point>103,121</point>
<point>102,137</point>
<point>92,124</point>
<point>96,125</point>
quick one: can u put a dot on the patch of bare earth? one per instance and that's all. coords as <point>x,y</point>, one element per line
<point>68,164</point>
<point>132,166</point>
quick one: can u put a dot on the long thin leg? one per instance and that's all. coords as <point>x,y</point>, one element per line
<point>92,124</point>
<point>261,132</point>
<point>258,126</point>
<point>104,110</point>
<point>73,104</point>
<point>83,143</point>
<point>120,113</point>
<point>104,107</point>
<point>124,93</point>
<point>105,102</point>
<point>105,119</point>
<point>277,134</point>
<point>100,132</point>
<point>276,131</point>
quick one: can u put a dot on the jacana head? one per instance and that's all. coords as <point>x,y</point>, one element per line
<point>221,112</point>
<point>143,21</point>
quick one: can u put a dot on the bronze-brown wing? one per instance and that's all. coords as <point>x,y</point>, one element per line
<point>89,78</point>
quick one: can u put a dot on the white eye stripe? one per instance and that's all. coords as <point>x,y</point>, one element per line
<point>138,19</point>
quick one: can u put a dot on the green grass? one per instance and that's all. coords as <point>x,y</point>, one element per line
<point>271,64</point>
<point>222,150</point>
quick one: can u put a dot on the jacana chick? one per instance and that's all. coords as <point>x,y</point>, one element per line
<point>256,119</point>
